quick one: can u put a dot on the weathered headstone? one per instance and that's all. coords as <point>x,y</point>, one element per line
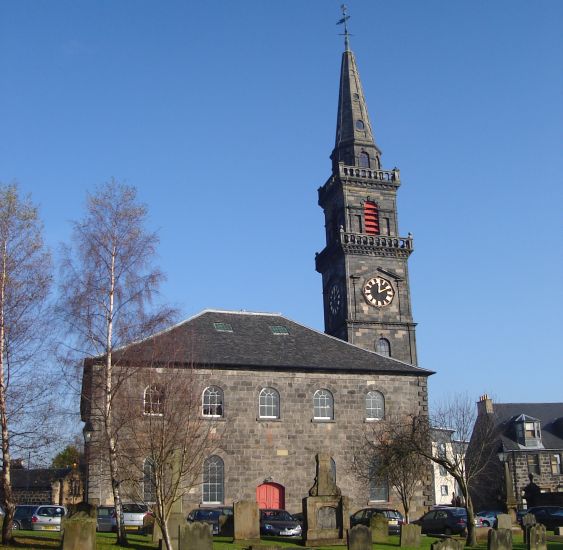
<point>447,544</point>
<point>499,539</point>
<point>359,538</point>
<point>558,531</point>
<point>504,521</point>
<point>379,526</point>
<point>410,535</point>
<point>536,537</point>
<point>528,521</point>
<point>79,532</point>
<point>246,521</point>
<point>195,535</point>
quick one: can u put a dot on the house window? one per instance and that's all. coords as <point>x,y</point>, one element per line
<point>444,490</point>
<point>323,405</point>
<point>443,471</point>
<point>149,482</point>
<point>530,430</point>
<point>378,486</point>
<point>154,400</point>
<point>375,405</point>
<point>383,347</point>
<point>533,464</point>
<point>279,329</point>
<point>371,218</point>
<point>360,124</point>
<point>213,480</point>
<point>556,464</point>
<point>212,402</point>
<point>441,450</point>
<point>364,160</point>
<point>269,403</point>
<point>223,327</point>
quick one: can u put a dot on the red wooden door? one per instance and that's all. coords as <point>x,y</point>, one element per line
<point>270,495</point>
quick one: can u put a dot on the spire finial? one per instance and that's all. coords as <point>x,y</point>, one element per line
<point>344,20</point>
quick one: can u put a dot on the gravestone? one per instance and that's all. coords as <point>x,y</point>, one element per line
<point>379,526</point>
<point>246,521</point>
<point>499,539</point>
<point>79,532</point>
<point>410,535</point>
<point>536,537</point>
<point>504,521</point>
<point>359,538</point>
<point>195,535</point>
<point>325,511</point>
<point>528,521</point>
<point>447,544</point>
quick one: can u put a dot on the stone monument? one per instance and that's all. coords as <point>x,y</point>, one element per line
<point>536,537</point>
<point>499,539</point>
<point>359,538</point>
<point>410,535</point>
<point>79,529</point>
<point>504,521</point>
<point>326,512</point>
<point>246,521</point>
<point>379,526</point>
<point>195,536</point>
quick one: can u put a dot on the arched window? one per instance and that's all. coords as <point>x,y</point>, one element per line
<point>212,402</point>
<point>383,347</point>
<point>269,403</point>
<point>323,405</point>
<point>213,480</point>
<point>154,400</point>
<point>149,482</point>
<point>364,160</point>
<point>371,218</point>
<point>375,405</point>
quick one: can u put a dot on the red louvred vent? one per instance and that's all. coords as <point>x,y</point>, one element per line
<point>371,218</point>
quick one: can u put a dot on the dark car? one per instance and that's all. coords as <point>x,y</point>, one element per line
<point>363,517</point>
<point>23,515</point>
<point>550,516</point>
<point>211,516</point>
<point>279,523</point>
<point>446,521</point>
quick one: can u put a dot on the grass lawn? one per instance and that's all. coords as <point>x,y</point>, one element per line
<point>106,541</point>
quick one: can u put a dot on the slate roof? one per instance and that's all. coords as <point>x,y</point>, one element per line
<point>37,478</point>
<point>252,345</point>
<point>549,414</point>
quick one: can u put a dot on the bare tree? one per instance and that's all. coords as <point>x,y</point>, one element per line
<point>25,280</point>
<point>108,282</point>
<point>168,439</point>
<point>385,456</point>
<point>456,417</point>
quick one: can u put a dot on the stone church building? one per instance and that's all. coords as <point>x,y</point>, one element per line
<point>283,392</point>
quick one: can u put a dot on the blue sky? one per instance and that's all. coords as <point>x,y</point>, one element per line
<point>223,115</point>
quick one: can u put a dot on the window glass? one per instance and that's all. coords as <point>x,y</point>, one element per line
<point>378,486</point>
<point>556,464</point>
<point>444,490</point>
<point>154,400</point>
<point>212,402</point>
<point>323,405</point>
<point>269,403</point>
<point>149,482</point>
<point>213,480</point>
<point>375,405</point>
<point>364,160</point>
<point>533,464</point>
<point>383,347</point>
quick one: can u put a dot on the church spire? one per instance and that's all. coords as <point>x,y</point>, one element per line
<point>355,145</point>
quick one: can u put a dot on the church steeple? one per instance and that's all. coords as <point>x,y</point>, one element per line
<point>355,145</point>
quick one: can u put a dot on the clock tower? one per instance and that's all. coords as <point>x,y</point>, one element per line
<point>364,263</point>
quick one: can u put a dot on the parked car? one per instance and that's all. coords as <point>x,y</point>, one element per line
<point>207,515</point>
<point>47,518</point>
<point>105,519</point>
<point>550,516</point>
<point>446,521</point>
<point>363,517</point>
<point>487,518</point>
<point>278,523</point>
<point>134,516</point>
<point>23,515</point>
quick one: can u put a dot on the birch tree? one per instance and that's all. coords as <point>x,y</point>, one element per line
<point>25,280</point>
<point>108,285</point>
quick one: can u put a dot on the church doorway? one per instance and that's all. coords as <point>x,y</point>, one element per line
<point>270,495</point>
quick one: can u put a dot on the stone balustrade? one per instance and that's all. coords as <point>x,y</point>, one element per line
<point>378,241</point>
<point>368,173</point>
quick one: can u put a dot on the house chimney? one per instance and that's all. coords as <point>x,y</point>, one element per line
<point>485,405</point>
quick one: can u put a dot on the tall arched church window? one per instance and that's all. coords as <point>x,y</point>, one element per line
<point>375,405</point>
<point>153,400</point>
<point>149,483</point>
<point>371,218</point>
<point>323,405</point>
<point>269,403</point>
<point>213,480</point>
<point>383,347</point>
<point>212,402</point>
<point>364,160</point>
<point>378,484</point>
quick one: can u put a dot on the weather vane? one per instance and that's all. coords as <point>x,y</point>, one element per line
<point>343,21</point>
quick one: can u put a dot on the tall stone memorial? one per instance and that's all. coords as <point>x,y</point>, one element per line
<point>326,511</point>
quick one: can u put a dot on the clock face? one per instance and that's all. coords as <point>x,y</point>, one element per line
<point>334,299</point>
<point>379,292</point>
